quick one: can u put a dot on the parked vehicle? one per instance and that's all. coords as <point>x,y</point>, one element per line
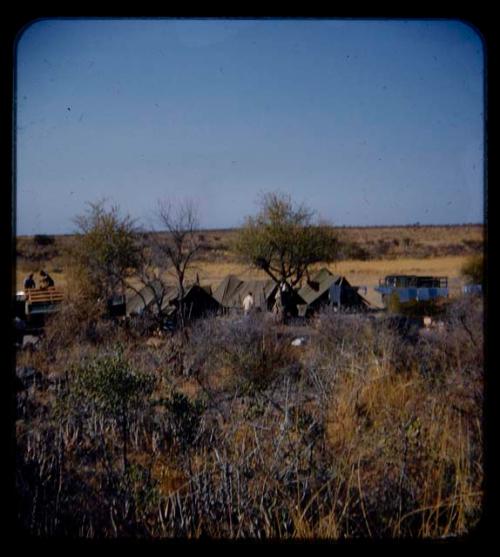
<point>412,287</point>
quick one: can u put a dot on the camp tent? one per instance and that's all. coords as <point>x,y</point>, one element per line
<point>197,300</point>
<point>263,292</point>
<point>137,302</point>
<point>225,292</point>
<point>232,290</point>
<point>326,288</point>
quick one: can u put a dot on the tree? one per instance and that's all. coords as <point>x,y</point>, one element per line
<point>150,273</point>
<point>179,245</point>
<point>109,387</point>
<point>106,251</point>
<point>284,240</point>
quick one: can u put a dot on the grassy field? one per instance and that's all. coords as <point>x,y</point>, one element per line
<point>371,428</point>
<point>368,254</point>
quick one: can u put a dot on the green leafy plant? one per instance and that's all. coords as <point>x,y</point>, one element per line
<point>284,240</point>
<point>106,252</point>
<point>114,390</point>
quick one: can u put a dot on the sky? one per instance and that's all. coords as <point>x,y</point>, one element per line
<point>376,122</point>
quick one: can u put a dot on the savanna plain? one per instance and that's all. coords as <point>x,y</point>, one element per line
<point>372,428</point>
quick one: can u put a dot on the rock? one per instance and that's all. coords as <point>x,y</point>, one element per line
<point>300,341</point>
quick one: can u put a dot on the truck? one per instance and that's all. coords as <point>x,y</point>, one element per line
<point>32,306</point>
<point>412,287</point>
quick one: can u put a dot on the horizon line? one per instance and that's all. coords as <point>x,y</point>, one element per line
<point>230,229</point>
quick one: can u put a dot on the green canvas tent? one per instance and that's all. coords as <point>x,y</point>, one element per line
<point>232,290</point>
<point>225,291</point>
<point>326,288</point>
<point>137,302</point>
<point>197,299</point>
<point>263,292</point>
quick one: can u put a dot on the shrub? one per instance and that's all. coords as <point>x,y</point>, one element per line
<point>248,347</point>
<point>473,269</point>
<point>107,386</point>
<point>379,435</point>
<point>78,321</point>
<point>184,418</point>
<point>43,240</point>
<point>352,250</point>
<point>416,308</point>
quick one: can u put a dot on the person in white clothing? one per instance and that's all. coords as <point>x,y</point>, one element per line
<point>248,303</point>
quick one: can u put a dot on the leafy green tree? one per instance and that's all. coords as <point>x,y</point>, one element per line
<point>109,387</point>
<point>284,240</point>
<point>106,252</point>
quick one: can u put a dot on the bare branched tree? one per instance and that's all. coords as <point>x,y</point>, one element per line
<point>177,248</point>
<point>150,271</point>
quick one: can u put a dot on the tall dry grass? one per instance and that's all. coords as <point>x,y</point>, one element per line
<point>371,429</point>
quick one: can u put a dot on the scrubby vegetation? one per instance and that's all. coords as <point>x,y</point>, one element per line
<point>473,269</point>
<point>362,244</point>
<point>372,428</point>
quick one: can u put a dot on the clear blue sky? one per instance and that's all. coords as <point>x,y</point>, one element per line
<point>368,122</point>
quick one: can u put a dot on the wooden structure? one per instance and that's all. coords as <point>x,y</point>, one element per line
<point>43,300</point>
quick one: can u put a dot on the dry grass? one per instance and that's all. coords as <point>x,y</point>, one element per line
<point>359,273</point>
<point>435,235</point>
<point>363,432</point>
<point>421,250</point>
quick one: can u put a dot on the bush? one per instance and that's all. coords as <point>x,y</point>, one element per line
<point>352,250</point>
<point>248,347</point>
<point>43,240</point>
<point>416,308</point>
<point>184,419</point>
<point>78,321</point>
<point>379,435</point>
<point>473,269</point>
<point>108,387</point>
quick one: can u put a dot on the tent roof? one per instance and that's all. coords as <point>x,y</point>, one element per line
<point>261,291</point>
<point>137,301</point>
<point>232,290</point>
<point>135,304</point>
<point>318,285</point>
<point>226,289</point>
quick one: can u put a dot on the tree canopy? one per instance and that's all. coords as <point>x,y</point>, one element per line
<point>284,239</point>
<point>107,250</point>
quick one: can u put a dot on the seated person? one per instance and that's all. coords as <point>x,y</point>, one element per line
<point>46,280</point>
<point>29,282</point>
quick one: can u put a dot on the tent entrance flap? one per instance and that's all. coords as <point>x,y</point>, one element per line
<point>335,294</point>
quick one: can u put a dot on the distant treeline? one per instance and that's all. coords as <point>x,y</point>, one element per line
<point>351,226</point>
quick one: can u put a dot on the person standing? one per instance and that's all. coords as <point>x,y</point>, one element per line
<point>248,303</point>
<point>278,308</point>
